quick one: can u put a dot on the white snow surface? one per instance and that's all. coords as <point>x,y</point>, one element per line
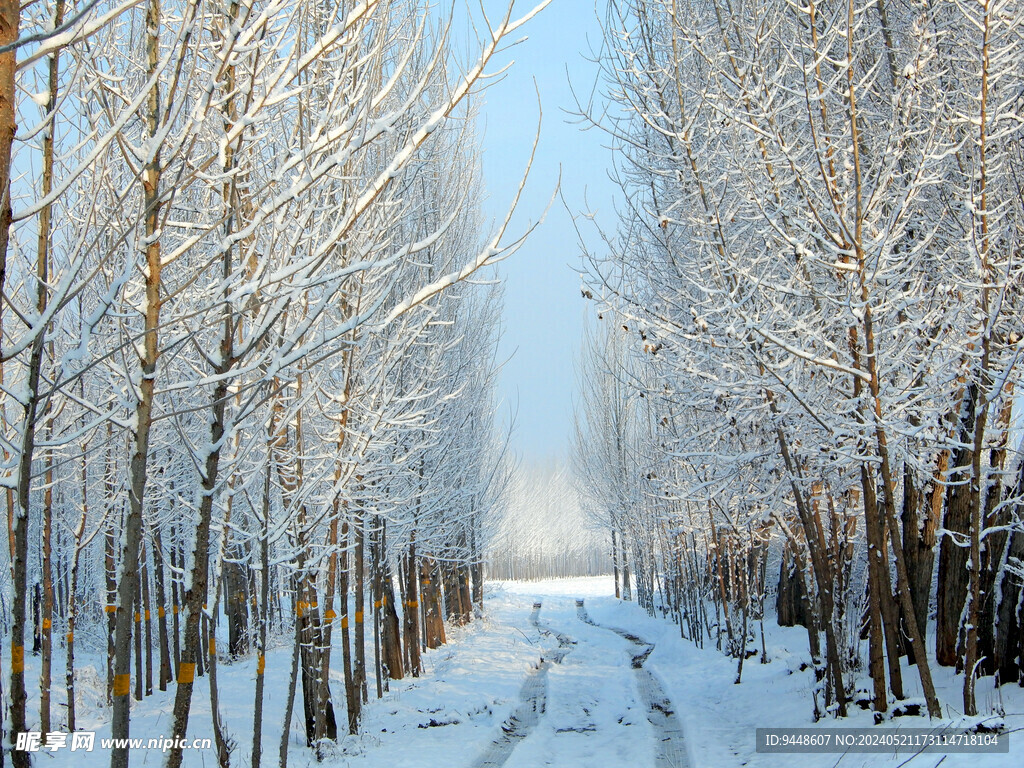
<point>593,715</point>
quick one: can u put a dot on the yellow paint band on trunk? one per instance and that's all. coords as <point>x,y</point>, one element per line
<point>344,622</point>
<point>330,615</point>
<point>110,608</point>
<point>138,618</point>
<point>122,685</point>
<point>359,617</point>
<point>174,609</point>
<point>17,658</point>
<point>147,615</point>
<point>261,664</point>
<point>160,612</point>
<point>47,624</point>
<point>71,637</point>
<point>213,646</point>
<point>186,672</point>
<point>376,603</point>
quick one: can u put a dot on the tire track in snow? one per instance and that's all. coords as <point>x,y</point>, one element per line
<point>671,751</point>
<point>533,698</point>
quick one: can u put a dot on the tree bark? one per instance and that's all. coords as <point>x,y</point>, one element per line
<point>951,595</point>
<point>410,611</point>
<point>128,578</point>
<point>10,23</point>
<point>161,609</point>
<point>264,617</point>
<point>195,593</point>
<point>430,595</point>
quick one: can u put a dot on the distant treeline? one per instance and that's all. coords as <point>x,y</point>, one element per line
<point>530,566</point>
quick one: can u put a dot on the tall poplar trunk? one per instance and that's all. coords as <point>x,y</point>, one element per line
<point>326,724</point>
<point>137,637</point>
<point>264,619</point>
<point>305,610</point>
<point>147,620</point>
<point>477,567</point>
<point>221,743</point>
<point>46,663</point>
<point>410,612</point>
<point>627,581</point>
<point>111,605</point>
<point>353,697</point>
<point>920,520</point>
<point>196,591</point>
<point>165,675</point>
<point>615,565</point>
<point>72,601</point>
<point>392,642</point>
<point>465,597</point>
<point>430,596</point>
<point>286,727</point>
<point>985,381</point>
<point>176,565</point>
<point>375,592</point>
<point>994,555</point>
<point>129,575</point>
<point>951,595</point>
<point>876,560</point>
<point>10,23</point>
<point>359,672</point>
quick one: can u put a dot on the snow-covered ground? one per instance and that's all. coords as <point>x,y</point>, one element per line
<point>591,712</point>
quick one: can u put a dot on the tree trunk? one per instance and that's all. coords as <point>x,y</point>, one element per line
<point>430,595</point>
<point>195,593</point>
<point>410,612</point>
<point>146,617</point>
<point>951,594</point>
<point>72,602</point>
<point>10,22</point>
<point>789,598</point>
<point>465,598</point>
<point>137,637</point>
<point>359,673</point>
<point>236,607</point>
<point>1008,650</point>
<point>161,609</point>
<point>876,561</point>
<point>615,565</point>
<point>221,742</point>
<point>286,727</point>
<point>264,619</point>
<point>919,543</point>
<point>177,565</point>
<point>46,625</point>
<point>111,606</point>
<point>391,634</point>
<point>353,697</point>
<point>128,578</point>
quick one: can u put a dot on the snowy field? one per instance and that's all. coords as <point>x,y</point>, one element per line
<point>591,712</point>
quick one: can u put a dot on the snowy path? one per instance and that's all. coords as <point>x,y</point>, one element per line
<point>533,699</point>
<point>671,752</point>
<point>526,687</point>
<point>541,688</point>
<point>596,710</point>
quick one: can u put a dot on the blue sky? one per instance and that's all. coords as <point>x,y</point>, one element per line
<point>543,307</point>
